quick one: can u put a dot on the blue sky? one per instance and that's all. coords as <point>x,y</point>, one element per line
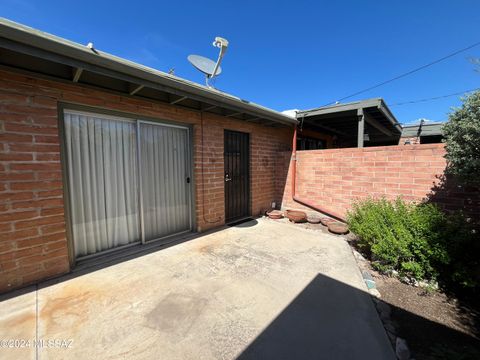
<point>285,54</point>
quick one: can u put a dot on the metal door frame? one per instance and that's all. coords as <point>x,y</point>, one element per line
<point>188,168</point>
<point>248,191</point>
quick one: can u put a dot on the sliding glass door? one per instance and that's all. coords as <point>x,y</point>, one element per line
<point>117,167</point>
<point>165,180</point>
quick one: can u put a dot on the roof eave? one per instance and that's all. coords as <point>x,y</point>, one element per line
<point>79,55</point>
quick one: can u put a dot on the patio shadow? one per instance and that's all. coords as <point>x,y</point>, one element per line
<point>332,320</point>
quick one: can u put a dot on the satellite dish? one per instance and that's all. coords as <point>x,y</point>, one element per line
<point>203,64</point>
<point>209,67</point>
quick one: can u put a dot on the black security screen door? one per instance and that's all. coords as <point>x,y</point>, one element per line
<point>237,175</point>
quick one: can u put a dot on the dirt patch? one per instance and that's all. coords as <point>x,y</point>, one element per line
<point>435,325</point>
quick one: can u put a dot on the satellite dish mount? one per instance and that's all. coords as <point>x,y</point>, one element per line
<point>207,66</point>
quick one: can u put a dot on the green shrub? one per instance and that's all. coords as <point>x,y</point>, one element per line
<point>418,241</point>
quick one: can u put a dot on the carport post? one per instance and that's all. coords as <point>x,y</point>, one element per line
<point>361,128</point>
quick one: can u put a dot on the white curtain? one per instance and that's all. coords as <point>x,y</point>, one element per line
<point>164,171</point>
<point>102,173</point>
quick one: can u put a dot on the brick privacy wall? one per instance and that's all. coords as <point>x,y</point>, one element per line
<point>33,244</point>
<point>335,178</point>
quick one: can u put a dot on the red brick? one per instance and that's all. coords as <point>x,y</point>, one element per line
<point>52,211</point>
<point>39,221</point>
<point>44,203</point>
<point>16,176</point>
<point>35,148</point>
<point>35,166</point>
<point>14,196</point>
<point>47,139</point>
<point>19,215</point>
<point>7,98</point>
<point>38,185</point>
<point>15,157</point>
<point>47,157</point>
<point>49,194</point>
<point>6,227</point>
<point>21,234</point>
<point>15,138</point>
<point>51,229</point>
<point>30,129</point>
<point>50,175</point>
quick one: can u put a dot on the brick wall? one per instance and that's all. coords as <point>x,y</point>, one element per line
<point>334,178</point>
<point>33,244</point>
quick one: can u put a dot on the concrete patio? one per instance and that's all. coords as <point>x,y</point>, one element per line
<point>263,289</point>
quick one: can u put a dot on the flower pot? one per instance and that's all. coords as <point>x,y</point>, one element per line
<point>337,228</point>
<point>275,214</point>
<point>313,219</point>
<point>296,216</point>
<point>325,221</point>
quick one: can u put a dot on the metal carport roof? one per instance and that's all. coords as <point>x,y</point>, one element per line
<point>342,119</point>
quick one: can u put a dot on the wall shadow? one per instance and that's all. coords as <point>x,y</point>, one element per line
<point>332,320</point>
<point>282,166</point>
<point>245,223</point>
<point>456,197</point>
<point>452,195</point>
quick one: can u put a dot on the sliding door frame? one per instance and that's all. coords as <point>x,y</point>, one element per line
<point>139,162</point>
<point>138,119</point>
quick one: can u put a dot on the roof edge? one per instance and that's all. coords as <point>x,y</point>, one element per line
<point>53,44</point>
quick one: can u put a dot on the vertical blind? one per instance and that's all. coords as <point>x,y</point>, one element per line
<point>102,173</point>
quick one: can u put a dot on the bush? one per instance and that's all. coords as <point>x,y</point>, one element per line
<point>418,241</point>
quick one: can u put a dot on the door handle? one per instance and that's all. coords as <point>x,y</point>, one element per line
<point>227,178</point>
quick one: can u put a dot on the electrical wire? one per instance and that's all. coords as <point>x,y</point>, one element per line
<point>406,74</point>
<point>433,98</point>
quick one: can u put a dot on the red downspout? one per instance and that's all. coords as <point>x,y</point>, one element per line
<point>294,178</point>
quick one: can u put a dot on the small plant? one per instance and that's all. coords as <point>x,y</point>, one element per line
<point>418,241</point>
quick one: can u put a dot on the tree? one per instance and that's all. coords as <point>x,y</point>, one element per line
<point>462,138</point>
<point>476,62</point>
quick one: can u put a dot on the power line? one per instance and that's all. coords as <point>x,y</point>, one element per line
<point>433,98</point>
<point>407,73</point>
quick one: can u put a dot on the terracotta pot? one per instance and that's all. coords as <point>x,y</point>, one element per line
<point>313,219</point>
<point>337,228</point>
<point>275,214</point>
<point>325,221</point>
<point>296,216</point>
